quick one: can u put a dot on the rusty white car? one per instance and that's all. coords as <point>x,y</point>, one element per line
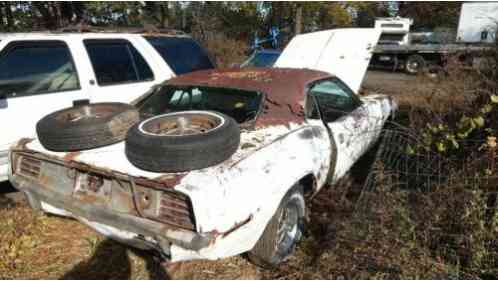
<point>221,161</point>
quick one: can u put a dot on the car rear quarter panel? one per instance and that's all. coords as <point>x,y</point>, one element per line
<point>245,193</point>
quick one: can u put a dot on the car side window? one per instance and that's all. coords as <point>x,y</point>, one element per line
<point>36,67</point>
<point>117,62</point>
<point>334,98</point>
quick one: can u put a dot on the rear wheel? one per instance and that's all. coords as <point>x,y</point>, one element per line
<point>415,64</point>
<point>283,232</point>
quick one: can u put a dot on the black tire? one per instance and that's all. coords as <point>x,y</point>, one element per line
<point>415,64</point>
<point>86,126</point>
<point>269,251</point>
<point>182,152</point>
<point>436,72</point>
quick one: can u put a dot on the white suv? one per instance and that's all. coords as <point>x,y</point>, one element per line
<point>44,72</point>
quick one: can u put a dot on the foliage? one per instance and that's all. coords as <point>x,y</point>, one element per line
<point>458,220</point>
<point>431,14</point>
<point>226,52</point>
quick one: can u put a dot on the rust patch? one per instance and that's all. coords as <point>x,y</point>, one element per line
<point>253,75</point>
<point>171,180</point>
<point>23,142</point>
<point>236,226</point>
<point>284,89</point>
<point>152,183</point>
<point>224,234</point>
<point>71,156</point>
<point>120,124</point>
<point>247,145</point>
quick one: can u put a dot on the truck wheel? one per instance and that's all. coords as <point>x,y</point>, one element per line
<point>283,232</point>
<point>182,141</point>
<point>86,126</point>
<point>414,64</point>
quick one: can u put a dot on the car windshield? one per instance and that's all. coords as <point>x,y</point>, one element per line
<point>261,60</point>
<point>241,105</point>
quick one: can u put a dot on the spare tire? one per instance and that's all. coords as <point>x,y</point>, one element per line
<point>86,126</point>
<point>182,141</point>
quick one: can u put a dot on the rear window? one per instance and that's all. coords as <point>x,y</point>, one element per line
<point>183,55</point>
<point>241,105</point>
<point>392,25</point>
<point>386,37</point>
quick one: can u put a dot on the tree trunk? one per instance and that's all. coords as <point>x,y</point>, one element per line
<point>299,19</point>
<point>8,15</point>
<point>47,18</point>
<point>164,14</point>
<point>184,18</point>
<point>3,21</point>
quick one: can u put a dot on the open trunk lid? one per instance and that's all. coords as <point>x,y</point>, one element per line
<point>345,53</point>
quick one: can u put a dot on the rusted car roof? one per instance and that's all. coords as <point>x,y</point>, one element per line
<point>284,88</point>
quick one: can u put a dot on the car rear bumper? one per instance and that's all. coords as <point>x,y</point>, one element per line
<point>135,231</point>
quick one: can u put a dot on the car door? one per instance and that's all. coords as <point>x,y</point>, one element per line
<point>37,77</point>
<point>346,53</point>
<point>347,119</point>
<point>121,72</point>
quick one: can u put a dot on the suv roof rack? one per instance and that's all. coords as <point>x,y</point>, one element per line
<point>80,28</point>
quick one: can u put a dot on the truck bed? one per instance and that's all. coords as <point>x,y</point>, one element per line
<point>429,48</point>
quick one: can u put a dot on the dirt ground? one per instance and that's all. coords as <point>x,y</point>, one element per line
<point>36,246</point>
<point>388,82</point>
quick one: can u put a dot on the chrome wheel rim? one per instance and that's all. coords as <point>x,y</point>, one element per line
<point>86,112</point>
<point>182,124</point>
<point>413,66</point>
<point>288,226</point>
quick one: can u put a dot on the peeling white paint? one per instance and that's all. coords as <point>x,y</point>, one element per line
<point>235,200</point>
<point>253,181</point>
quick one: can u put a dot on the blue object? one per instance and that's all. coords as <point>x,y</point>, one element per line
<point>262,58</point>
<point>272,38</point>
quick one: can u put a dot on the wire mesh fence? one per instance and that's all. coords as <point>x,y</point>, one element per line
<point>447,200</point>
<point>404,162</point>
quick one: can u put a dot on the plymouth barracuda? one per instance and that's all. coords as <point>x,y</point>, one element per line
<point>218,162</point>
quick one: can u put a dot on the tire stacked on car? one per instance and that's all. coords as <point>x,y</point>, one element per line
<point>182,141</point>
<point>175,142</point>
<point>86,126</point>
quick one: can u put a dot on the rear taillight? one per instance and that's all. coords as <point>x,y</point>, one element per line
<point>176,209</point>
<point>30,167</point>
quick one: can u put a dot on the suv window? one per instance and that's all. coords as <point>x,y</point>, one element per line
<point>117,62</point>
<point>182,54</point>
<point>35,67</point>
